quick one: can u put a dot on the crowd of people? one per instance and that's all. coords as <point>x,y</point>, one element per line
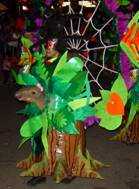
<point>9,47</point>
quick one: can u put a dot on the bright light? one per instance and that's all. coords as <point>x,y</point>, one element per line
<point>87,4</point>
<point>65,4</point>
<point>25,8</point>
<point>81,3</point>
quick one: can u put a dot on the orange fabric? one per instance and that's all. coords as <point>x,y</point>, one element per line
<point>115,105</point>
<point>131,38</point>
<point>30,58</point>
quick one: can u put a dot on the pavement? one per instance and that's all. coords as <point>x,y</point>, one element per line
<point>124,159</point>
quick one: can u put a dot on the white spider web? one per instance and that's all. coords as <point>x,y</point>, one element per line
<point>82,45</point>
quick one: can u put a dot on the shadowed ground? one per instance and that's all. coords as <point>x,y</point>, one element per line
<point>124,159</point>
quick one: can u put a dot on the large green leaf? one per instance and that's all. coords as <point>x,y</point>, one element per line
<point>77,85</point>
<point>79,103</point>
<point>31,126</point>
<point>26,79</point>
<point>30,110</point>
<point>56,103</point>
<point>61,63</point>
<point>39,69</point>
<point>68,70</point>
<point>82,113</point>
<point>120,88</point>
<point>75,63</point>
<point>59,87</point>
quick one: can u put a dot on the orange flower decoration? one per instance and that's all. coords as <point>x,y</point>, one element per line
<point>115,105</point>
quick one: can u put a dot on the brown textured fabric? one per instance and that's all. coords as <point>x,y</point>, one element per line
<point>68,157</point>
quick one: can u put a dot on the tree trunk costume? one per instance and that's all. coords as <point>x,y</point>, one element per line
<point>67,158</point>
<point>58,103</point>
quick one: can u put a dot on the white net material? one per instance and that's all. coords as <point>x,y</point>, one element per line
<point>80,44</point>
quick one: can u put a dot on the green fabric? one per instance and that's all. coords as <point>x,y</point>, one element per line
<point>62,62</point>
<point>68,70</point>
<point>30,110</point>
<point>77,85</point>
<point>31,126</point>
<point>45,126</point>
<point>108,121</point>
<point>26,42</point>
<point>82,113</point>
<point>79,103</point>
<point>130,53</point>
<point>67,124</point>
<point>123,2</point>
<point>59,87</point>
<point>132,113</point>
<point>39,69</point>
<point>26,79</point>
<point>134,19</point>
<point>120,88</point>
<point>68,97</point>
<point>23,141</point>
<point>134,93</point>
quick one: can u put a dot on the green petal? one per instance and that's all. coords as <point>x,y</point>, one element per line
<point>100,109</point>
<point>100,106</point>
<point>105,95</point>
<point>110,122</point>
<point>120,88</point>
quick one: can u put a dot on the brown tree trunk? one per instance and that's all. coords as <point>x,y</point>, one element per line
<point>67,157</point>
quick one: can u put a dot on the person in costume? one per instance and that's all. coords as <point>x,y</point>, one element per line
<point>58,104</point>
<point>60,107</point>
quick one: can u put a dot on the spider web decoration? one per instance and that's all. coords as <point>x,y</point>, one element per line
<point>79,39</point>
